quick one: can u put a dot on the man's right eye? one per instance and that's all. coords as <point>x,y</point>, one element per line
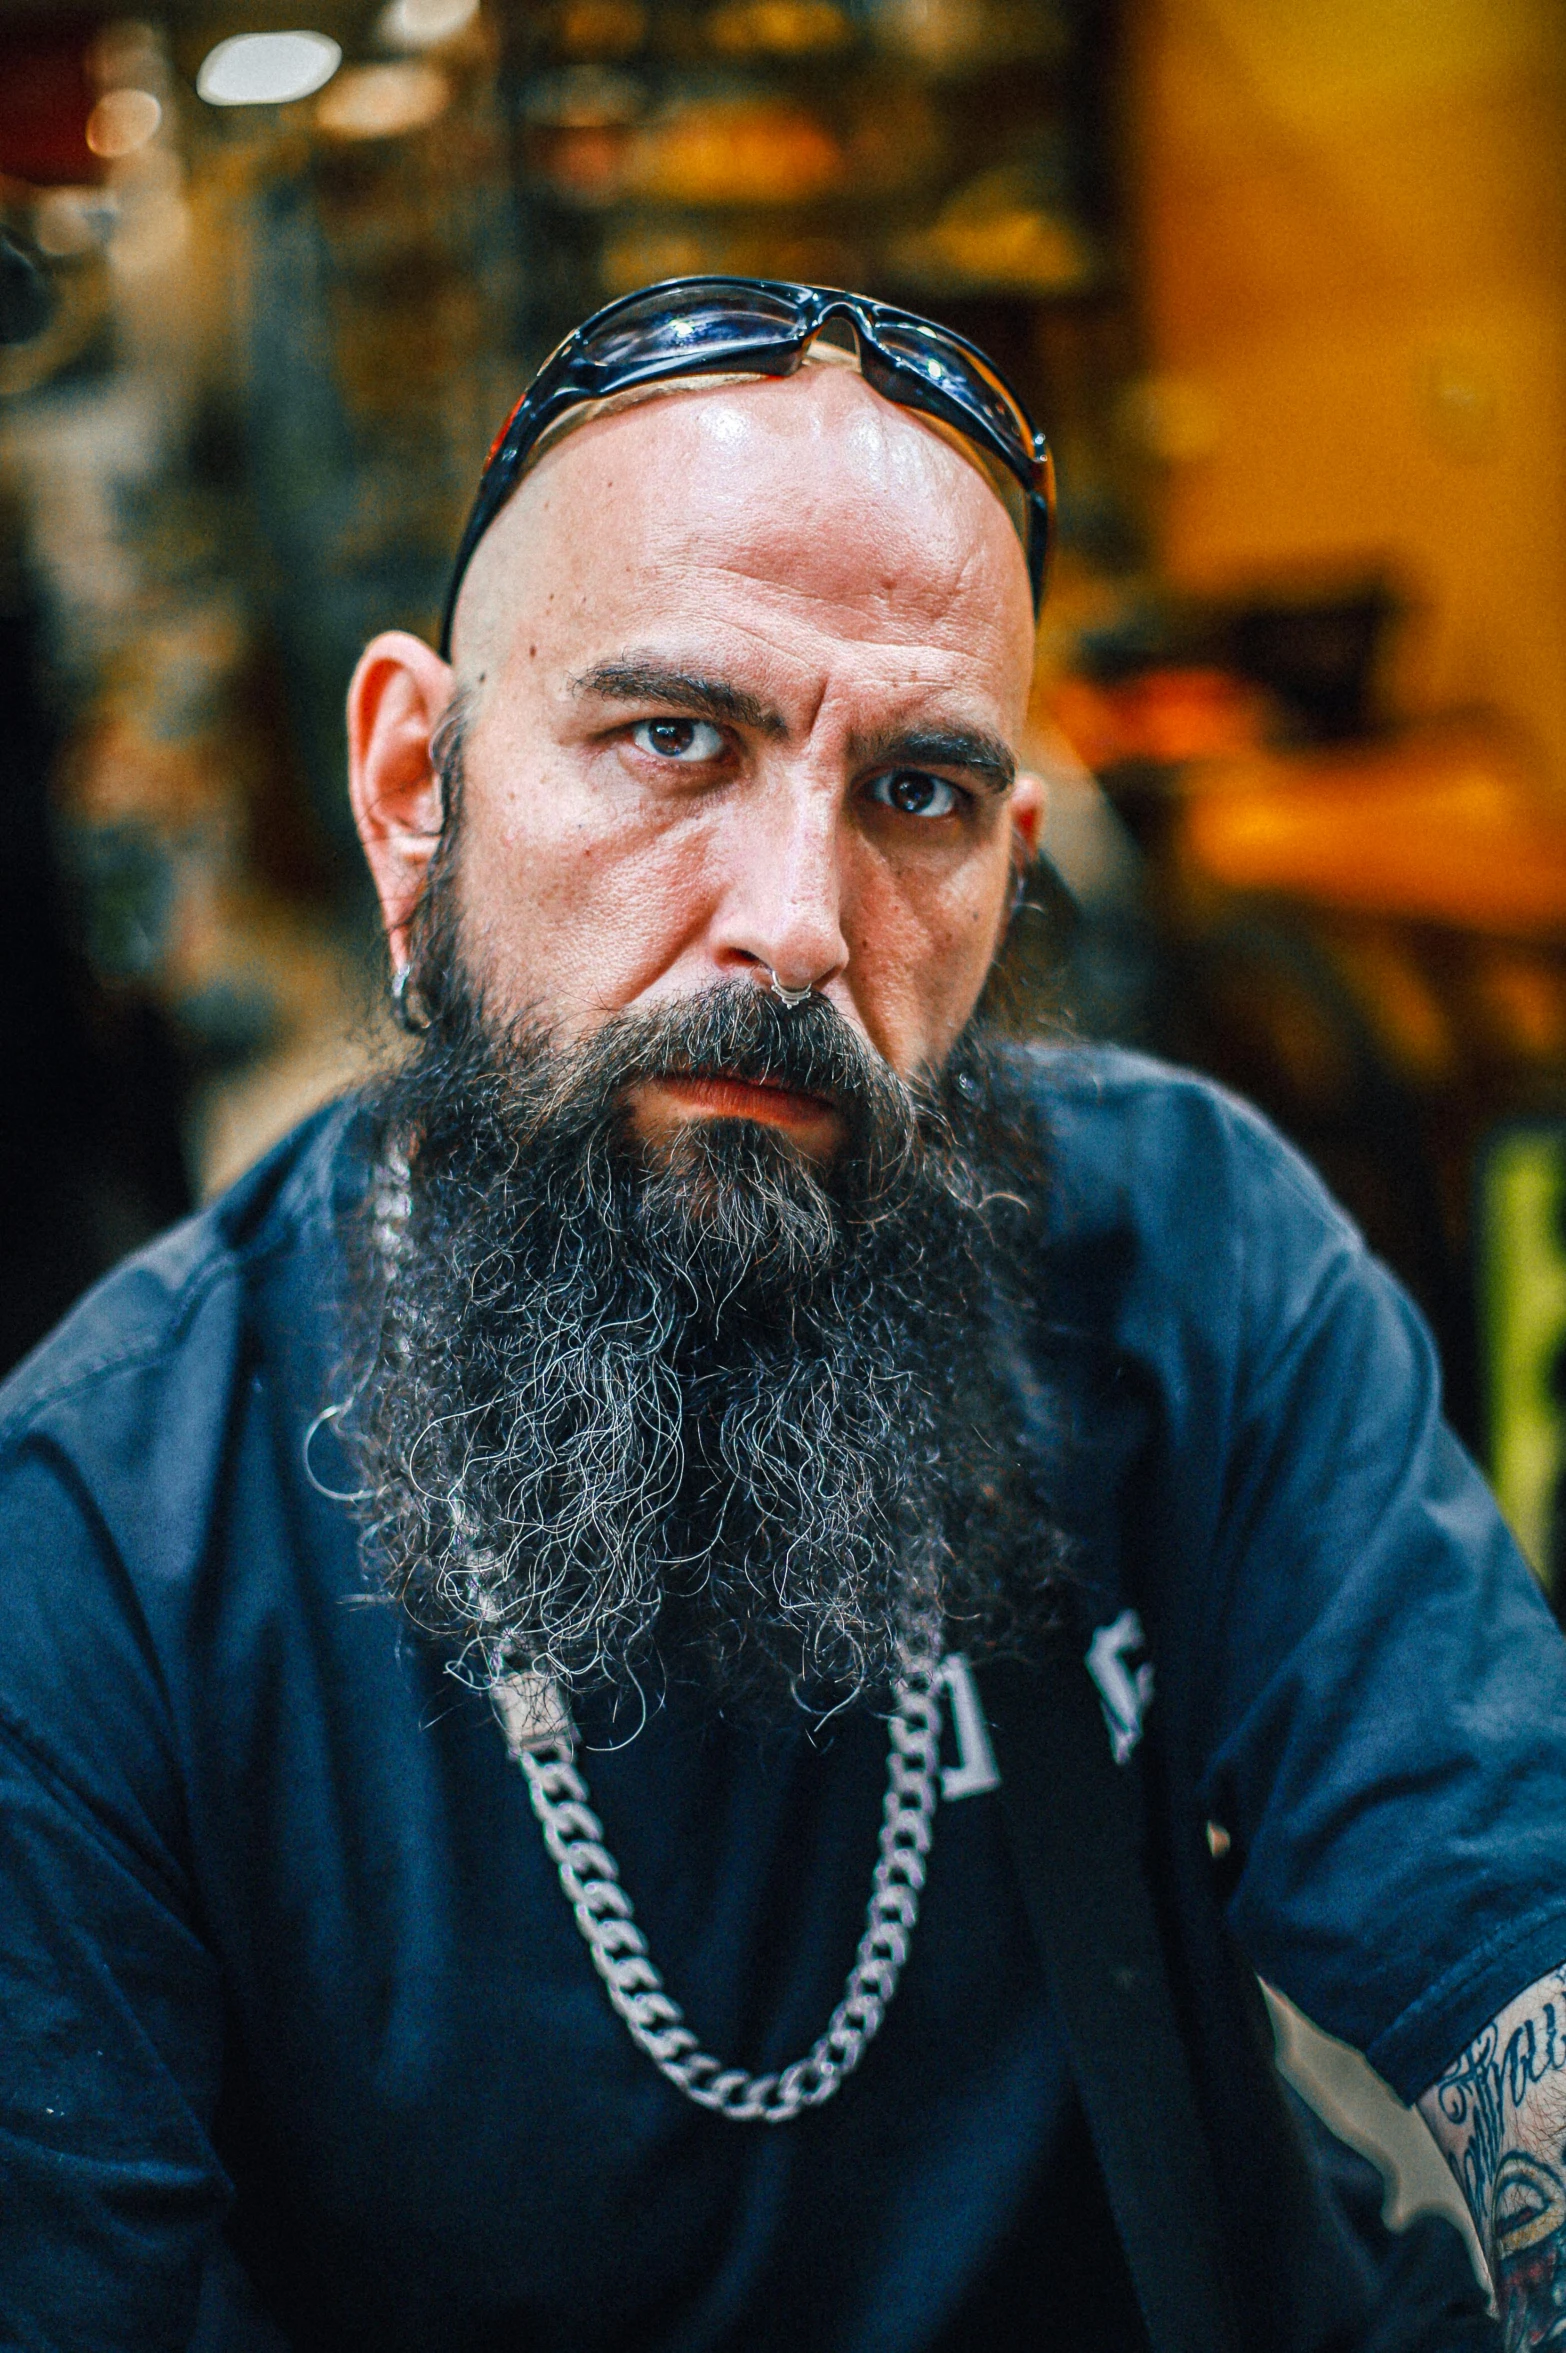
<point>690,741</point>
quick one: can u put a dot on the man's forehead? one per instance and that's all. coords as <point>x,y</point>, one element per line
<point>826,410</point>
<point>811,487</point>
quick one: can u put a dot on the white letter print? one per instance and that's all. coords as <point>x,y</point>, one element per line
<point>975,1770</point>
<point>1125,1695</point>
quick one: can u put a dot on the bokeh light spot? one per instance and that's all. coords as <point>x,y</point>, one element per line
<point>267,69</point>
<point>122,121</point>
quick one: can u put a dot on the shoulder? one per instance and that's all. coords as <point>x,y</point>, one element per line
<point>117,1443</point>
<point>185,1291</point>
<point>120,1422</point>
<point>1208,1314</point>
<point>1125,1126</point>
<point>1181,1195</point>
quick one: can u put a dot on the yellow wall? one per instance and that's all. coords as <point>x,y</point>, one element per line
<point>1354,238</point>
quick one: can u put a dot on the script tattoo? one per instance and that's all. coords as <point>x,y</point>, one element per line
<point>1499,2113</point>
<point>1490,2082</point>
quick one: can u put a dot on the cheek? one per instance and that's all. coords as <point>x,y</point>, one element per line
<point>572,906</point>
<point>923,949</point>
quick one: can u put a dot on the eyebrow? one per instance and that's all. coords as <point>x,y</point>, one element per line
<point>679,690</point>
<point>987,758</point>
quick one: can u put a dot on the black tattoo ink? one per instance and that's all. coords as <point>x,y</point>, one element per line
<point>1517,2196</point>
<point>1529,2253</point>
<point>1487,2083</point>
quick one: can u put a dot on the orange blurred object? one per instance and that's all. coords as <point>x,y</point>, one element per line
<point>1167,716</point>
<point>738,151</point>
<point>1448,826</point>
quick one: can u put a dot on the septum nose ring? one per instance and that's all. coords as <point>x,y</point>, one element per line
<point>791,997</point>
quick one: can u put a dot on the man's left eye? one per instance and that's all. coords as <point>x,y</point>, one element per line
<point>690,741</point>
<point>913,794</point>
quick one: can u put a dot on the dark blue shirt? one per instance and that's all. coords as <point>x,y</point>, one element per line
<point>289,1995</point>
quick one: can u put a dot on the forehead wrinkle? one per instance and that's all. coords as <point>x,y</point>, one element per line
<point>822,680</point>
<point>901,614</point>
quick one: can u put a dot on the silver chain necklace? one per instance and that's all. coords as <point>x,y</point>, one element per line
<point>543,1739</point>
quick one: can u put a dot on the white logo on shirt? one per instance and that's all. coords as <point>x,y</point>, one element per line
<point>975,1770</point>
<point>1124,1693</point>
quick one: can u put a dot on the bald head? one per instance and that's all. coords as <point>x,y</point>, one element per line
<point>809,489</point>
<point>745,668</point>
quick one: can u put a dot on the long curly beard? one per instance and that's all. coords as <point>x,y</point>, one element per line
<point>623,1411</point>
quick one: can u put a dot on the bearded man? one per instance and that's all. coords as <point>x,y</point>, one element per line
<point>649,1686</point>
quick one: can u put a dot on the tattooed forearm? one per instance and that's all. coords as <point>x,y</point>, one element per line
<point>1499,2114</point>
<point>1481,2093</point>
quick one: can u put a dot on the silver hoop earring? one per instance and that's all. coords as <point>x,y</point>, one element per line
<point>409,1010</point>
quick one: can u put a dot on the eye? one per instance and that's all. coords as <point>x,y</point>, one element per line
<point>914,794</point>
<point>690,741</point>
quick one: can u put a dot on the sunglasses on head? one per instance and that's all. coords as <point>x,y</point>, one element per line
<point>696,326</point>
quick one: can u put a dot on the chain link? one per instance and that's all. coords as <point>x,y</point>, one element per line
<point>590,1879</point>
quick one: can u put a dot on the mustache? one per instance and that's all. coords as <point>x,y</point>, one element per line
<point>737,1030</point>
<point>573,1096</point>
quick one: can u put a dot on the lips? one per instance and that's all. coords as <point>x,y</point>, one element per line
<point>724,1096</point>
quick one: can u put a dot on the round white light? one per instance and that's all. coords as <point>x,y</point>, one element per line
<point>267,69</point>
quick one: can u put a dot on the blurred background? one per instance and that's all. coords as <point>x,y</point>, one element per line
<point>1286,280</point>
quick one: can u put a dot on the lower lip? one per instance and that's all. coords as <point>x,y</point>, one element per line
<point>735,1098</point>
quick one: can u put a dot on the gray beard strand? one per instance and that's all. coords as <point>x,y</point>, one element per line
<point>574,1461</point>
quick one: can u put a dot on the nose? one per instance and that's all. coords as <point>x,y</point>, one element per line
<point>783,911</point>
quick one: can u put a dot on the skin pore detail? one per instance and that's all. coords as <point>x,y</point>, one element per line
<point>1499,2116</point>
<point>743,673</point>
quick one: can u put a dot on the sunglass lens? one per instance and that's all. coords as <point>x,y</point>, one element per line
<point>950,371</point>
<point>669,322</point>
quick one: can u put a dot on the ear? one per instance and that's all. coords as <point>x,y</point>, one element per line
<point>1029,801</point>
<point>397,696</point>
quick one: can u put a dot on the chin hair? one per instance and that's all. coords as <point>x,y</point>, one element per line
<point>623,1411</point>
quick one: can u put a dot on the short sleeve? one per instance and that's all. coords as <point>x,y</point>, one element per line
<point>1388,1687</point>
<point>110,2009</point>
